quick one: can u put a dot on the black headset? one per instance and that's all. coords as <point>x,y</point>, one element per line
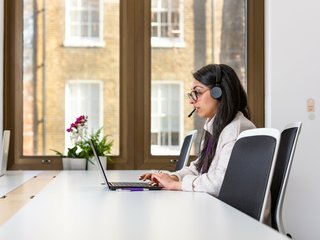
<point>216,91</point>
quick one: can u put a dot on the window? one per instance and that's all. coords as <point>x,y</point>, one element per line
<point>166,117</point>
<point>57,83</point>
<point>135,91</point>
<point>167,23</point>
<point>83,97</point>
<point>216,33</point>
<point>84,23</point>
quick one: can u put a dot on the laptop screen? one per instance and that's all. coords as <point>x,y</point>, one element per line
<point>99,162</point>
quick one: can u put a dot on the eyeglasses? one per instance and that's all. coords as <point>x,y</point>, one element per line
<point>194,94</point>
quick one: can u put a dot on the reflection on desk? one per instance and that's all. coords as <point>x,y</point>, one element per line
<point>75,205</point>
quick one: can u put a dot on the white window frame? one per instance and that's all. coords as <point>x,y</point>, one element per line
<point>170,150</point>
<point>72,41</point>
<point>169,42</point>
<point>68,107</point>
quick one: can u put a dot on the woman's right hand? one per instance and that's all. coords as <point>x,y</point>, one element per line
<point>146,176</point>
<point>153,177</point>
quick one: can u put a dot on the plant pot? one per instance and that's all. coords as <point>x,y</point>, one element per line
<point>74,163</point>
<point>94,165</point>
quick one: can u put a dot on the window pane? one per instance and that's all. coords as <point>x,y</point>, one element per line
<point>165,119</point>
<point>95,3</point>
<point>95,16</point>
<point>60,82</point>
<point>196,33</point>
<point>154,31</point>
<point>154,16</point>
<point>75,16</point>
<point>83,98</point>
<point>84,16</point>
<point>164,32</point>
<point>164,3</point>
<point>87,15</point>
<point>175,18</point>
<point>95,30</point>
<point>85,3</point>
<point>75,30</point>
<point>84,31</point>
<point>164,17</point>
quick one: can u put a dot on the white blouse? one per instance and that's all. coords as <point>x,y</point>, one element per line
<point>211,181</point>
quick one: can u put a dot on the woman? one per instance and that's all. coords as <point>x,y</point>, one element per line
<point>218,96</point>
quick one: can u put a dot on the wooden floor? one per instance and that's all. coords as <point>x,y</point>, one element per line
<point>17,198</point>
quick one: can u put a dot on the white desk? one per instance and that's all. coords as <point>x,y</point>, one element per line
<point>75,206</point>
<point>13,179</point>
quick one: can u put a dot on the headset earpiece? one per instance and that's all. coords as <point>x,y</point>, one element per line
<point>216,91</point>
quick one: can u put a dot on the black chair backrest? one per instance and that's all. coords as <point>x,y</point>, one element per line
<point>289,137</point>
<point>185,150</point>
<point>248,176</point>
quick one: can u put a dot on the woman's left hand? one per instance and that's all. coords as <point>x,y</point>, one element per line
<point>166,181</point>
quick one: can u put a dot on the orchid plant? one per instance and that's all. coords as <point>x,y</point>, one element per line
<point>80,140</point>
<point>78,129</point>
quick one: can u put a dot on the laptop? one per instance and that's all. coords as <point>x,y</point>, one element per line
<point>133,186</point>
<point>4,152</point>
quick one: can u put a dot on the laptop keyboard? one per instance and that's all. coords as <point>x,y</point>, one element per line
<point>129,184</point>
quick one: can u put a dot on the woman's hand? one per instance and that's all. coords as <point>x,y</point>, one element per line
<point>146,176</point>
<point>167,181</point>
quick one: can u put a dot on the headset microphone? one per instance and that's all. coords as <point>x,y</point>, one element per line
<point>190,114</point>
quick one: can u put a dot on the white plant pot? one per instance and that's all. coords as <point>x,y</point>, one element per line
<point>74,163</point>
<point>95,165</point>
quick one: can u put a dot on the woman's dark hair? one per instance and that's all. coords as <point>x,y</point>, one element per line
<point>233,100</point>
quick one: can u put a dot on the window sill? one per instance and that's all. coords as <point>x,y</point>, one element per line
<point>91,44</point>
<point>167,43</point>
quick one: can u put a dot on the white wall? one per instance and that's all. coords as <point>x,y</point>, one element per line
<point>292,76</point>
<point>1,65</point>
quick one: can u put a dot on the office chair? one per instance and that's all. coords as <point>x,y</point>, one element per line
<point>288,142</point>
<point>248,176</point>
<point>183,158</point>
